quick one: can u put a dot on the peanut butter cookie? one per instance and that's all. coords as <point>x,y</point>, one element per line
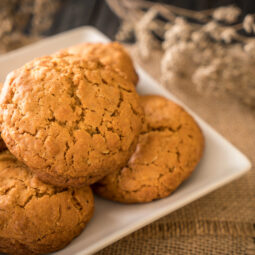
<point>38,218</point>
<point>112,54</point>
<point>71,121</point>
<point>169,148</point>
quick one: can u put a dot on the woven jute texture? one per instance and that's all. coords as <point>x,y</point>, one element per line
<point>222,222</point>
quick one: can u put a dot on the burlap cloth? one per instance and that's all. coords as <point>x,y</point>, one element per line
<point>222,222</point>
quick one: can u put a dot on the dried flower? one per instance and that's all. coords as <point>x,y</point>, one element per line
<point>249,24</point>
<point>250,48</point>
<point>180,32</point>
<point>213,29</point>
<point>16,16</point>
<point>227,14</point>
<point>178,60</point>
<point>229,35</point>
<point>145,39</point>
<point>210,54</point>
<point>197,55</point>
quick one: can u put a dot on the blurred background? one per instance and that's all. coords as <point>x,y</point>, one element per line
<point>24,20</point>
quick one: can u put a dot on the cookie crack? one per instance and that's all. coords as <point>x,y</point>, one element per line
<point>150,129</point>
<point>178,156</point>
<point>37,193</point>
<point>6,191</point>
<point>26,202</point>
<point>133,110</point>
<point>124,89</point>
<point>120,100</point>
<point>76,202</point>
<point>67,147</point>
<point>138,189</point>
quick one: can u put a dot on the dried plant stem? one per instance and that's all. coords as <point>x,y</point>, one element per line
<point>169,11</point>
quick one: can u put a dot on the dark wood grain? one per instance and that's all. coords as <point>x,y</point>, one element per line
<point>75,13</point>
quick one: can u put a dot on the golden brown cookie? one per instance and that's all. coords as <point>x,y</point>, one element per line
<point>71,121</point>
<point>112,54</point>
<point>2,144</point>
<point>169,148</point>
<point>38,218</point>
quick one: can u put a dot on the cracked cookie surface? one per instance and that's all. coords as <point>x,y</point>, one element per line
<point>71,121</point>
<point>112,54</point>
<point>38,218</point>
<point>2,144</point>
<point>169,148</point>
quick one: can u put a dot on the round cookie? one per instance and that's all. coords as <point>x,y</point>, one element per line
<point>2,144</point>
<point>37,218</point>
<point>112,54</point>
<point>71,121</point>
<point>169,148</point>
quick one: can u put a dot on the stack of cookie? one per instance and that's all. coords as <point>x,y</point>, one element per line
<point>74,119</point>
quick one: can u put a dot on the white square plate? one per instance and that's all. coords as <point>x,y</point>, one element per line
<point>221,163</point>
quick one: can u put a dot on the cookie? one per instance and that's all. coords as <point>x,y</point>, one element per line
<point>38,218</point>
<point>71,121</point>
<point>169,148</point>
<point>112,54</point>
<point>2,144</point>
